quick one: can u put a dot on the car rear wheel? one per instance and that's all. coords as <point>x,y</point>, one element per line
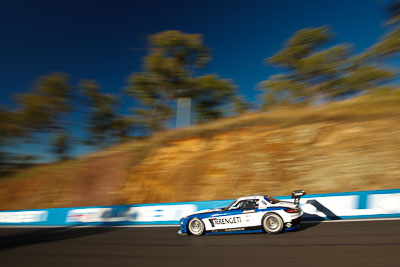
<point>196,226</point>
<point>272,223</point>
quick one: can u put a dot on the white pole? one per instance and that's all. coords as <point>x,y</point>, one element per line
<point>183,112</point>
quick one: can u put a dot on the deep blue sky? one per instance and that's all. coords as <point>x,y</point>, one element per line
<point>105,40</point>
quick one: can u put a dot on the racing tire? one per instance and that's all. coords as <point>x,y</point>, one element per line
<point>272,223</point>
<point>196,226</point>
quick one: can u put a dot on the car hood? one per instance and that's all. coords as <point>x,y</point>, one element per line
<point>207,211</point>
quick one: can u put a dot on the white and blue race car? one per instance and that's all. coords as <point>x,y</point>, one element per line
<point>246,214</point>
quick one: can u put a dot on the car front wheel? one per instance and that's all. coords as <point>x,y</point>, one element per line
<point>272,223</point>
<point>196,226</point>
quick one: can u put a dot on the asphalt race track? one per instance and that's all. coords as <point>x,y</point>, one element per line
<point>369,243</point>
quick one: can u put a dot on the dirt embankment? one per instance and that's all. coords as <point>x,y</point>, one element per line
<point>320,156</point>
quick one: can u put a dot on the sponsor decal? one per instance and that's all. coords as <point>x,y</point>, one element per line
<point>384,203</point>
<point>331,207</point>
<point>23,216</point>
<point>234,229</point>
<point>228,220</point>
<point>130,214</point>
<point>228,230</point>
<point>251,228</point>
<point>87,215</point>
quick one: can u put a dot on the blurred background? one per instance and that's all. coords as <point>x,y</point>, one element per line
<point>128,102</point>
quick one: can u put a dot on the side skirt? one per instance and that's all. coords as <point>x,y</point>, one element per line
<point>291,228</point>
<point>240,230</point>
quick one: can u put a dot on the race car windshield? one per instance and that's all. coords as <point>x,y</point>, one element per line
<point>230,205</point>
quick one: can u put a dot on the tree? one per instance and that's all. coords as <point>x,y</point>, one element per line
<point>210,93</point>
<point>240,106</point>
<point>309,68</point>
<point>39,111</point>
<point>313,72</point>
<point>105,125</point>
<point>154,110</point>
<point>10,125</point>
<point>389,44</point>
<point>393,10</point>
<point>169,72</point>
<point>42,108</point>
<point>10,129</point>
<point>61,145</point>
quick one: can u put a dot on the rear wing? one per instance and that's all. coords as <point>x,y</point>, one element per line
<point>297,194</point>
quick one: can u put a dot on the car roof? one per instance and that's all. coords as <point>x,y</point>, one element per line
<point>251,197</point>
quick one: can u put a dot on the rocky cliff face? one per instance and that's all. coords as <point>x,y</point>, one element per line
<point>320,158</point>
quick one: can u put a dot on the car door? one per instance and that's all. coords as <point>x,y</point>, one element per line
<point>239,216</point>
<point>248,214</point>
<point>225,220</point>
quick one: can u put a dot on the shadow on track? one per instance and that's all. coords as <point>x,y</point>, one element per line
<point>306,225</point>
<point>48,235</point>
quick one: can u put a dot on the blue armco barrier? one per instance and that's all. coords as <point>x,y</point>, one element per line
<point>334,206</point>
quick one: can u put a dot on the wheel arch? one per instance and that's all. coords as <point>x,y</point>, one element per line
<point>195,217</point>
<point>271,212</point>
<point>274,213</point>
